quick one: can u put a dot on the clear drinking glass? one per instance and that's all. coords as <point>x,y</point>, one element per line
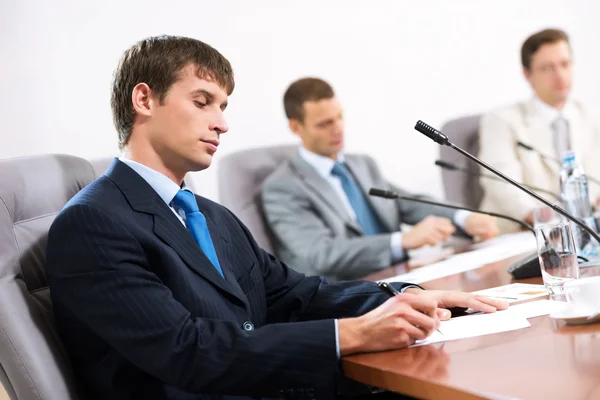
<point>557,255</point>
<point>545,215</point>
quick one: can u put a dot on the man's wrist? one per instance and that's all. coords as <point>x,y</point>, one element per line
<point>412,290</point>
<point>350,335</point>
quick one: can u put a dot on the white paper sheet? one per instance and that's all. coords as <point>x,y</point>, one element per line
<point>515,292</point>
<point>493,250</point>
<point>513,318</point>
<point>475,325</point>
<point>534,309</point>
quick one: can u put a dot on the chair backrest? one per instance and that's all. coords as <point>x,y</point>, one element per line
<point>34,364</point>
<point>100,165</point>
<point>459,187</point>
<point>241,176</point>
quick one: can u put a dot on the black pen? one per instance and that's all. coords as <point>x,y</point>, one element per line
<point>392,291</point>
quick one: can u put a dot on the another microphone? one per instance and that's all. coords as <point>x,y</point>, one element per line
<point>528,267</point>
<point>539,153</point>
<point>388,194</point>
<point>452,167</point>
<point>551,158</point>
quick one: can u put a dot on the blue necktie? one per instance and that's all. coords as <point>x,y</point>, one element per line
<point>196,224</point>
<point>364,213</point>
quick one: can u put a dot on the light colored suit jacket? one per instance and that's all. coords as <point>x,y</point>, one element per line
<point>314,232</point>
<point>500,130</point>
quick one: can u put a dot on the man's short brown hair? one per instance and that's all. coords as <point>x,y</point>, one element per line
<point>537,40</point>
<point>301,91</point>
<point>158,61</point>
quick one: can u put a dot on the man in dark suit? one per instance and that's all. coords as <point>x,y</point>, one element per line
<point>160,294</point>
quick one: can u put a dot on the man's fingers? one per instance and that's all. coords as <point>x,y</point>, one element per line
<point>423,322</point>
<point>412,330</point>
<point>443,314</point>
<point>423,304</point>
<point>498,304</point>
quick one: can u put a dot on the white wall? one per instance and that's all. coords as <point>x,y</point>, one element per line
<point>392,62</point>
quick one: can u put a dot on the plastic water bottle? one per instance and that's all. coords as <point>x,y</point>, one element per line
<point>576,200</point>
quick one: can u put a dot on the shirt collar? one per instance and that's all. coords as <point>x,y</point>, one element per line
<point>322,164</point>
<point>163,186</point>
<point>549,113</point>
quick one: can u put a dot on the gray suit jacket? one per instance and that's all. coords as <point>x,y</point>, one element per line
<point>314,232</point>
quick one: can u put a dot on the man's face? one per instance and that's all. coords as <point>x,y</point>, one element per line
<point>551,73</point>
<point>322,130</point>
<point>184,130</point>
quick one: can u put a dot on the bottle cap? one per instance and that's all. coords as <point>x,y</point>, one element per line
<point>568,156</point>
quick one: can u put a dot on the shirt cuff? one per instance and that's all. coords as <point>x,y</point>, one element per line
<point>460,218</point>
<point>337,340</point>
<point>396,247</point>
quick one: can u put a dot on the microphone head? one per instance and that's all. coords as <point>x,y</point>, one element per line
<point>432,133</point>
<point>386,194</point>
<point>525,146</point>
<point>446,165</point>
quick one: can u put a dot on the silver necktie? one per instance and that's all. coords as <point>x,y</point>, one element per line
<point>561,136</point>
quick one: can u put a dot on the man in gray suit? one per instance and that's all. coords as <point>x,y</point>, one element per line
<point>317,206</point>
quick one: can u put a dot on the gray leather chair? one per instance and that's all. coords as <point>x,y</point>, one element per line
<point>459,187</point>
<point>33,362</point>
<point>241,176</point>
<point>100,165</point>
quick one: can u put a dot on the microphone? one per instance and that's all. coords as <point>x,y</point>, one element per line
<point>539,153</point>
<point>551,158</point>
<point>388,194</point>
<point>528,267</point>
<point>452,167</point>
<point>442,139</point>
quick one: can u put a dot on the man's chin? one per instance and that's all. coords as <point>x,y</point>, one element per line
<point>200,164</point>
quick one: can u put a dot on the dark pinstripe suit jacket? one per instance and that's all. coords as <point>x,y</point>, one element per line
<point>144,315</point>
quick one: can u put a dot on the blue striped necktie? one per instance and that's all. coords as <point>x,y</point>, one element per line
<point>196,224</point>
<point>365,215</point>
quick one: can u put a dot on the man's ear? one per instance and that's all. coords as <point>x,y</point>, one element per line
<point>295,126</point>
<point>527,74</point>
<point>142,99</point>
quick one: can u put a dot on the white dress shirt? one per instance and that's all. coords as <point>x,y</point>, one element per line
<point>162,185</point>
<point>323,166</point>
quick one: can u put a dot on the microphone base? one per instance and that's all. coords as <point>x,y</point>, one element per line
<point>527,267</point>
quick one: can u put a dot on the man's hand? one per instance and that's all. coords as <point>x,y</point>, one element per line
<point>529,218</point>
<point>432,230</point>
<point>395,324</point>
<point>405,318</point>
<point>482,226</point>
<point>448,299</point>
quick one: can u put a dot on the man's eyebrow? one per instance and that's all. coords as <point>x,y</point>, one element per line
<point>204,92</point>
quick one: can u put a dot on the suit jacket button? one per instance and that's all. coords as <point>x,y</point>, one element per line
<point>248,326</point>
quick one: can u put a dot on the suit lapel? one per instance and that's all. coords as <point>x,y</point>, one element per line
<point>323,189</point>
<point>221,241</point>
<point>385,209</point>
<point>168,228</point>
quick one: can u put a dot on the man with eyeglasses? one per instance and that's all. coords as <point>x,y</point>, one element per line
<point>551,122</point>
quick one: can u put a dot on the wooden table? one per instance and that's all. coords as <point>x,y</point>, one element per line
<point>545,361</point>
